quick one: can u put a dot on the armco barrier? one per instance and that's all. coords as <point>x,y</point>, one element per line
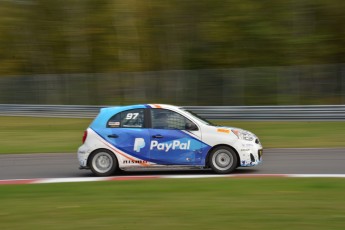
<point>307,112</point>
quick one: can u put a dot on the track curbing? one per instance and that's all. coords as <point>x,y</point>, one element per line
<point>135,178</point>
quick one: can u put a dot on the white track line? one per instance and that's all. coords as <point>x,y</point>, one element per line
<point>127,178</point>
<point>318,175</point>
<point>68,180</point>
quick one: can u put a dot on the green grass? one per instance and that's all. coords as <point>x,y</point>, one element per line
<point>295,134</point>
<point>222,203</point>
<point>41,135</point>
<point>31,135</point>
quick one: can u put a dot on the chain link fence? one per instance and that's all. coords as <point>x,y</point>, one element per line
<point>296,85</point>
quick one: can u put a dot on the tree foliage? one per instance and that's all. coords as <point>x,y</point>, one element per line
<point>89,36</point>
<point>214,52</point>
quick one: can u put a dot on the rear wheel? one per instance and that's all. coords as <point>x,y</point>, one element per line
<point>223,160</point>
<point>103,163</point>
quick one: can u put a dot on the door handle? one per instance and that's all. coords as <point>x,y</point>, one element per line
<point>157,136</point>
<point>113,136</point>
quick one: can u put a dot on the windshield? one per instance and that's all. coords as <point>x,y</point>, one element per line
<point>203,120</point>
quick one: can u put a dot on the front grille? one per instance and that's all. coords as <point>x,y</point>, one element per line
<point>260,154</point>
<point>252,158</point>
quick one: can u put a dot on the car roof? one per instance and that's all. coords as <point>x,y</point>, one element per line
<point>138,106</point>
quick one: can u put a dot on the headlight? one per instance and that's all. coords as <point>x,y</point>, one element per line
<point>244,135</point>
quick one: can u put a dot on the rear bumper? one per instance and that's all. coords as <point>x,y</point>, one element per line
<point>83,154</point>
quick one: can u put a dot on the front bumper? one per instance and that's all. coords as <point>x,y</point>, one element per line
<point>250,154</point>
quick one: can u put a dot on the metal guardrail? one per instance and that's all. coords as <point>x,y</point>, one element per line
<point>308,112</point>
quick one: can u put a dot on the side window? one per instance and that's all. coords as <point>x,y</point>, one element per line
<point>133,118</point>
<point>167,119</point>
<point>114,121</point>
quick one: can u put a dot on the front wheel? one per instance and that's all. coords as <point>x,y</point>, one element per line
<point>223,160</point>
<point>103,163</point>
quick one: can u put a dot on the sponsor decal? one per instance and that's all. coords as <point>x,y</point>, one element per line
<point>134,162</point>
<point>223,130</point>
<point>175,144</point>
<point>114,124</point>
<point>139,143</point>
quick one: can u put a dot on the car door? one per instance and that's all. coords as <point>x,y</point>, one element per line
<point>127,132</point>
<point>173,142</point>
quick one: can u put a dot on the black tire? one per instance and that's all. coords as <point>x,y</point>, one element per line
<point>103,163</point>
<point>223,160</point>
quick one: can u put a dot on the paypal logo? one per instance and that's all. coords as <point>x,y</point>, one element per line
<point>139,143</point>
<point>175,144</point>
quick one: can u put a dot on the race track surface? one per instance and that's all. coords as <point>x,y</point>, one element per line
<point>276,161</point>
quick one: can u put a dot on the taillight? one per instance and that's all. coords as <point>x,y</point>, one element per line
<point>84,136</point>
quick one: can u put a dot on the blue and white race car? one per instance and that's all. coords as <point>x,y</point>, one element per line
<point>155,135</point>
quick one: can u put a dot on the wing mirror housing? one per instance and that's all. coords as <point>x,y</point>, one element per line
<point>191,127</point>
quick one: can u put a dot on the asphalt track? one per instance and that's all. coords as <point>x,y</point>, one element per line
<point>276,161</point>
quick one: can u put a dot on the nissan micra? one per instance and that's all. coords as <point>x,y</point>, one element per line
<point>165,136</point>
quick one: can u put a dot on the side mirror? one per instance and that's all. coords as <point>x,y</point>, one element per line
<point>191,127</point>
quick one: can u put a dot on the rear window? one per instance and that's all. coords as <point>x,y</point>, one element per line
<point>133,118</point>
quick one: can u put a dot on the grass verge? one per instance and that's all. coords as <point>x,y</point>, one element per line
<point>218,203</point>
<point>41,135</point>
<point>34,135</point>
<point>295,134</point>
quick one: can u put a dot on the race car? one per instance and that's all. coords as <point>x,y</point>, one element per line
<point>163,136</point>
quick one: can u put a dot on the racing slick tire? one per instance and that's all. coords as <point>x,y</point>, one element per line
<point>103,163</point>
<point>223,160</point>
